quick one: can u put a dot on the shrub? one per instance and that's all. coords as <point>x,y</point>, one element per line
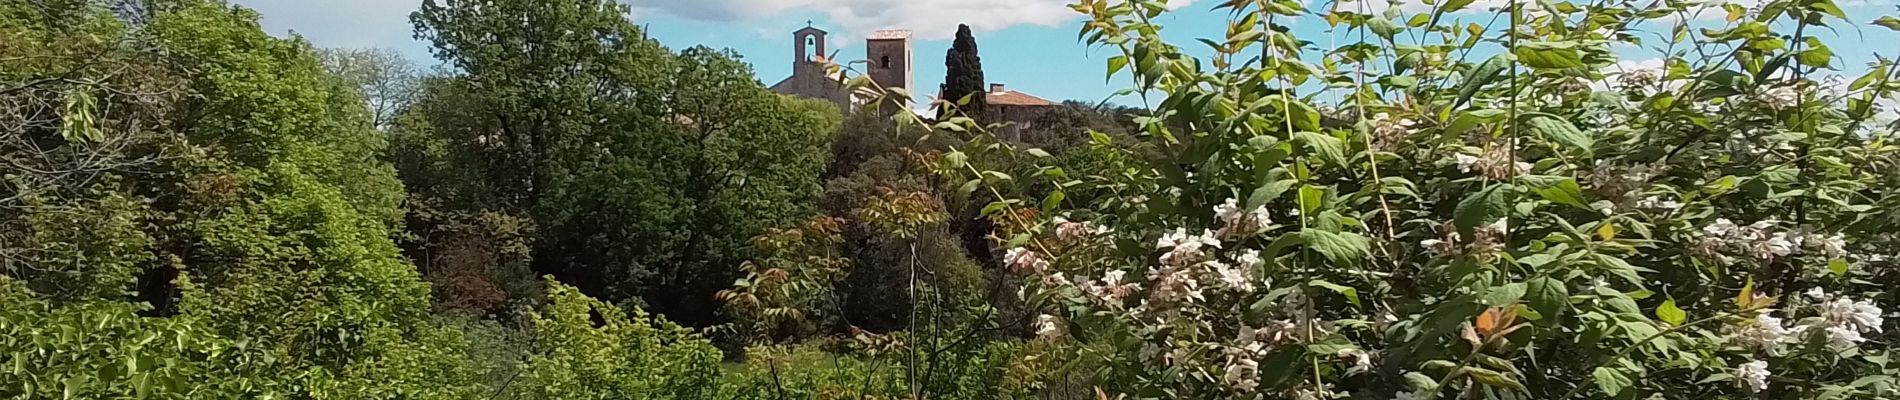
<point>1442,208</point>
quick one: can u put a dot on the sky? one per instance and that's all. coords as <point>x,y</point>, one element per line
<point>1030,45</point>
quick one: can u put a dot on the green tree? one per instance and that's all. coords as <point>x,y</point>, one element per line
<point>209,208</point>
<point>963,77</point>
<point>643,172</point>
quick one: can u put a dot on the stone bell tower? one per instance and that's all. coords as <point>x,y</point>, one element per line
<point>812,75</point>
<point>888,54</point>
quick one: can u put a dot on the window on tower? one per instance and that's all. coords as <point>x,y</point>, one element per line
<point>885,62</point>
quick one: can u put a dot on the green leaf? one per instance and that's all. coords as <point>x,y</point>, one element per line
<point>1268,192</point>
<point>1612,382</point>
<point>1547,55</point>
<point>1311,198</point>
<point>1838,267</point>
<point>1352,295</point>
<point>1484,74</point>
<point>1449,6</point>
<point>1562,132</point>
<point>1817,56</point>
<point>1054,200</point>
<point>1503,295</point>
<point>1668,312</point>
<point>1115,64</point>
<point>1618,267</point>
<point>1888,22</point>
<point>1472,118</point>
<point>955,160</point>
<point>968,187</point>
<point>1481,208</point>
<point>1338,247</point>
<point>1305,117</point>
<point>1330,346</point>
<point>1385,28</point>
<point>1492,378</point>
<point>1547,295</point>
<point>1329,148</point>
<point>1560,190</point>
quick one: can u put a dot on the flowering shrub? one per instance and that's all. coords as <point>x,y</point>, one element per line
<point>1439,208</point>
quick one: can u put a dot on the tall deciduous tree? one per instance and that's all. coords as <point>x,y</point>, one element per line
<point>963,75</point>
<point>387,81</point>
<point>643,171</point>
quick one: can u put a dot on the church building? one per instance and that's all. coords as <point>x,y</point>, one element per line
<point>815,74</point>
<point>887,61</point>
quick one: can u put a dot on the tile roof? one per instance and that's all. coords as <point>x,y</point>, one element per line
<point>1015,98</point>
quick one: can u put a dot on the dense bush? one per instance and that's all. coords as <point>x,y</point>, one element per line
<point>1502,213</point>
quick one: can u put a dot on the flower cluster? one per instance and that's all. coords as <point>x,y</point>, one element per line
<point>1389,133</point>
<point>1021,260</point>
<point>1236,223</point>
<point>1072,232</point>
<point>1841,321</point>
<point>1844,319</point>
<point>1110,289</point>
<point>1724,237</point>
<point>1495,163</point>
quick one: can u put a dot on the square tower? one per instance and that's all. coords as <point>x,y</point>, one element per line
<point>889,54</point>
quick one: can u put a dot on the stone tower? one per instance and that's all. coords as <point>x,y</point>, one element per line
<point>812,75</point>
<point>810,42</point>
<point>888,55</point>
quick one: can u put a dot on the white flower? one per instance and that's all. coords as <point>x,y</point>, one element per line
<point>1753,376</point>
<point>1239,279</point>
<point>1465,162</point>
<point>1023,260</point>
<point>1172,239</point>
<point>1048,326</point>
<point>1113,278</point>
<point>1408,396</point>
<point>1654,203</point>
<point>1243,374</point>
<point>1361,361</point>
<point>1765,334</point>
<point>1775,245</point>
<point>1816,293</point>
<point>1721,227</point>
<point>1841,336</point>
<point>1862,316</point>
<point>1835,245</point>
<point>1056,279</point>
<point>1782,97</point>
<point>1248,260</point>
<point>1070,231</point>
<point>1236,222</point>
<point>1186,250</point>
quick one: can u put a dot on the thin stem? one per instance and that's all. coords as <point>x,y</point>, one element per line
<point>1639,344</point>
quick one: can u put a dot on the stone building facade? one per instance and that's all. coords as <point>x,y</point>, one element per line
<point>888,56</point>
<point>1019,109</point>
<point>816,75</point>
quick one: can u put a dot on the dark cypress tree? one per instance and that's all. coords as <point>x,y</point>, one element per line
<point>963,75</point>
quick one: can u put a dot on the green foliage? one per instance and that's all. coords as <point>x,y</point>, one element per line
<point>640,169</point>
<point>1501,214</point>
<point>584,348</point>
<point>963,83</point>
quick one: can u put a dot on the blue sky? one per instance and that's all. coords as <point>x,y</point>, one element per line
<point>1028,44</point>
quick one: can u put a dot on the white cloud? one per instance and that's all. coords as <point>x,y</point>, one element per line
<point>928,19</point>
